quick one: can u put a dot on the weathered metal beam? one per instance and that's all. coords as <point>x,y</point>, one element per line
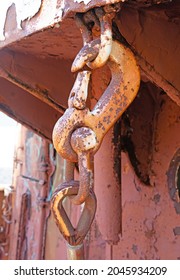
<point>38,93</point>
<point>27,109</point>
<point>19,19</point>
<point>49,79</point>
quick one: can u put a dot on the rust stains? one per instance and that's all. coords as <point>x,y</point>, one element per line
<point>21,253</point>
<point>116,141</point>
<point>138,129</point>
<point>176,231</point>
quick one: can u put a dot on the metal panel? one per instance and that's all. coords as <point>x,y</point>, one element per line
<point>32,170</point>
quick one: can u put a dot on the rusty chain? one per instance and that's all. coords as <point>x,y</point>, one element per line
<point>83,140</point>
<point>78,134</point>
<point>97,55</point>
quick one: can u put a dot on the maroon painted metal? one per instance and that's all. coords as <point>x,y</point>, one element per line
<point>108,187</point>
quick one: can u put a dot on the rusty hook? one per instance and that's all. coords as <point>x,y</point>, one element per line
<point>117,97</point>
<point>93,125</point>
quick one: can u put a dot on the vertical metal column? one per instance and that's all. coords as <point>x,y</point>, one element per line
<point>108,188</point>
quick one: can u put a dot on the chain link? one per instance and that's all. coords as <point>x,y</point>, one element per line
<point>102,21</point>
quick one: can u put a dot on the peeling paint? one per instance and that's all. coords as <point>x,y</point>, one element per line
<point>25,9</point>
<point>156,198</point>
<point>117,151</point>
<point>134,248</point>
<point>84,1</point>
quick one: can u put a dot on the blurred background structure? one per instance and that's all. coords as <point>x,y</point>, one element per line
<point>8,137</point>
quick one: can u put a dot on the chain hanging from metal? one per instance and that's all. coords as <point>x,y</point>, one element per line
<point>78,134</point>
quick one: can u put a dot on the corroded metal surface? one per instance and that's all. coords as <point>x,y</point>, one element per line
<point>28,17</point>
<point>79,92</point>
<point>83,140</point>
<point>24,10</point>
<point>74,236</point>
<point>42,16</point>
<point>31,181</point>
<point>145,208</point>
<point>105,47</point>
<point>79,132</point>
<point>38,93</point>
<point>137,128</point>
<point>117,97</point>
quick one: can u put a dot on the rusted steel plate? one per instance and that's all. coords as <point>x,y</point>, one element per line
<point>20,19</point>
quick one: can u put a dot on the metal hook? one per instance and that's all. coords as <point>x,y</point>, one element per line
<point>117,97</point>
